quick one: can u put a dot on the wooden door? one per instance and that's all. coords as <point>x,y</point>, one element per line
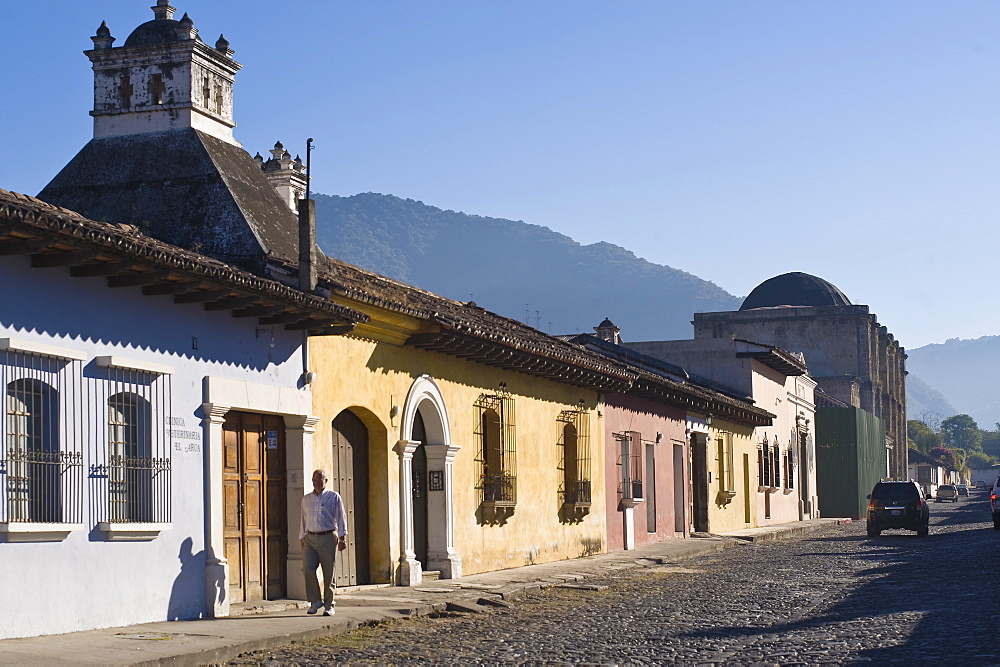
<point>349,478</point>
<point>254,505</point>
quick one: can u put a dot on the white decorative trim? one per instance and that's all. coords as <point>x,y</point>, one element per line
<point>31,347</point>
<point>38,532</point>
<point>132,532</point>
<point>112,361</point>
<point>220,396</point>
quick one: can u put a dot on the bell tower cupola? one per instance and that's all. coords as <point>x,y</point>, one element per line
<point>164,77</point>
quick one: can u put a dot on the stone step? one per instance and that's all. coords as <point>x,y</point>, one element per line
<point>431,575</point>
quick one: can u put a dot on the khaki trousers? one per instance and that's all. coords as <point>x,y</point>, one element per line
<point>320,551</point>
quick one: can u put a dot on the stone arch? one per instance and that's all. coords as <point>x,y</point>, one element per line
<point>425,398</point>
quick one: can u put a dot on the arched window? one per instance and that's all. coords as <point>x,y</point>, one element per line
<point>34,493</point>
<point>575,442</point>
<point>130,465</point>
<point>497,450</point>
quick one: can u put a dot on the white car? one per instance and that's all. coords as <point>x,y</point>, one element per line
<point>947,492</point>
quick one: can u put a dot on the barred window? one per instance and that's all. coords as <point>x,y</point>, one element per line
<point>136,462</point>
<point>764,463</point>
<point>630,464</point>
<point>497,454</point>
<point>790,468</point>
<point>775,464</point>
<point>575,463</point>
<point>41,460</point>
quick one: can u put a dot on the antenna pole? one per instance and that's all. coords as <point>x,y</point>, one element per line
<point>309,149</point>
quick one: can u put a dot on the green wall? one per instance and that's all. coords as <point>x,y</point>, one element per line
<point>850,459</point>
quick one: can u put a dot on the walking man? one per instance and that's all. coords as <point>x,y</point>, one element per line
<point>323,533</point>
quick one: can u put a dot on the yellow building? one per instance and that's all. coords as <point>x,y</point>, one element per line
<point>462,441</point>
<point>725,458</point>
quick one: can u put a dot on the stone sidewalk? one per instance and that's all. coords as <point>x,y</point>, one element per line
<point>211,641</point>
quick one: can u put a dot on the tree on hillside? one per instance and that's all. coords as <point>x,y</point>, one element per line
<point>962,431</point>
<point>944,455</point>
<point>922,436</point>
<point>931,419</point>
<point>980,461</point>
<point>991,442</point>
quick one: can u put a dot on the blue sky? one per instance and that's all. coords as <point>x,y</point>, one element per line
<point>735,140</point>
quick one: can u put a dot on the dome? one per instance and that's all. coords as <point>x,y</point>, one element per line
<point>156,32</point>
<point>794,289</point>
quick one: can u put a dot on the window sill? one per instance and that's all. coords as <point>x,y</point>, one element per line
<point>132,532</point>
<point>499,504</point>
<point>577,506</point>
<point>38,532</point>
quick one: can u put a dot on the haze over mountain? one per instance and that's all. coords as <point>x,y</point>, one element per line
<point>960,369</point>
<point>506,265</point>
<point>509,266</point>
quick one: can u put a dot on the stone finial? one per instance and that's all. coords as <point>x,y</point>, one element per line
<point>185,28</point>
<point>103,38</point>
<point>278,151</point>
<point>222,46</point>
<point>258,158</point>
<point>297,165</point>
<point>163,10</point>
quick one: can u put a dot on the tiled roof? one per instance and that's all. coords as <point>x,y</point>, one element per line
<point>55,236</point>
<point>469,331</point>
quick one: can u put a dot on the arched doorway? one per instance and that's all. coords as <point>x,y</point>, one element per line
<point>426,460</point>
<point>349,477</point>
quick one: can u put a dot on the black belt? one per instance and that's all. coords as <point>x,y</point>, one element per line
<point>320,532</point>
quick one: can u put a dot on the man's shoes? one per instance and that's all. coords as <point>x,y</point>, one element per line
<point>314,607</point>
<point>329,611</point>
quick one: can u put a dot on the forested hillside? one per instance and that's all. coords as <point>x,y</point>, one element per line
<point>511,267</point>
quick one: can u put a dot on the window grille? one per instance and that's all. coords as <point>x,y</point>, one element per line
<point>630,464</point>
<point>41,458</point>
<point>765,463</point>
<point>497,458</point>
<point>790,468</point>
<point>575,460</point>
<point>133,470</point>
<point>775,464</point>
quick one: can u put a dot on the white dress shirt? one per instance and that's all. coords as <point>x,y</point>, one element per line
<point>323,512</point>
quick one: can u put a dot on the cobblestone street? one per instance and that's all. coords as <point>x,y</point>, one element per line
<point>833,596</point>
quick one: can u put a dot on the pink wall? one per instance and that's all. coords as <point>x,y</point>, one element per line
<point>628,413</point>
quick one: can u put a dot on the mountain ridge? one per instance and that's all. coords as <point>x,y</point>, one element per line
<point>511,266</point>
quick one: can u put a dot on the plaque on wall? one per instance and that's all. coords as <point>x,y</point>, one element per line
<point>435,480</point>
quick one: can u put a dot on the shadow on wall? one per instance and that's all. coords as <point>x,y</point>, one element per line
<point>186,594</point>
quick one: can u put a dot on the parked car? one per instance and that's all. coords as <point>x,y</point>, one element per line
<point>947,492</point>
<point>963,490</point>
<point>898,505</point>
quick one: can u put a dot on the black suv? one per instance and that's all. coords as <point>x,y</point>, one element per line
<point>897,505</point>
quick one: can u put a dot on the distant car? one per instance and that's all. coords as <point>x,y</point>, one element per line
<point>963,490</point>
<point>947,492</point>
<point>900,505</point>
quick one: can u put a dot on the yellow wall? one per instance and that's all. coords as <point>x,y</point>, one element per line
<point>371,377</point>
<point>726,516</point>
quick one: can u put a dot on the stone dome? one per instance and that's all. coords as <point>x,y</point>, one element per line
<point>157,32</point>
<point>794,289</point>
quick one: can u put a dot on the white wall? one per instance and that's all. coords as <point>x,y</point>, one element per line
<point>85,581</point>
